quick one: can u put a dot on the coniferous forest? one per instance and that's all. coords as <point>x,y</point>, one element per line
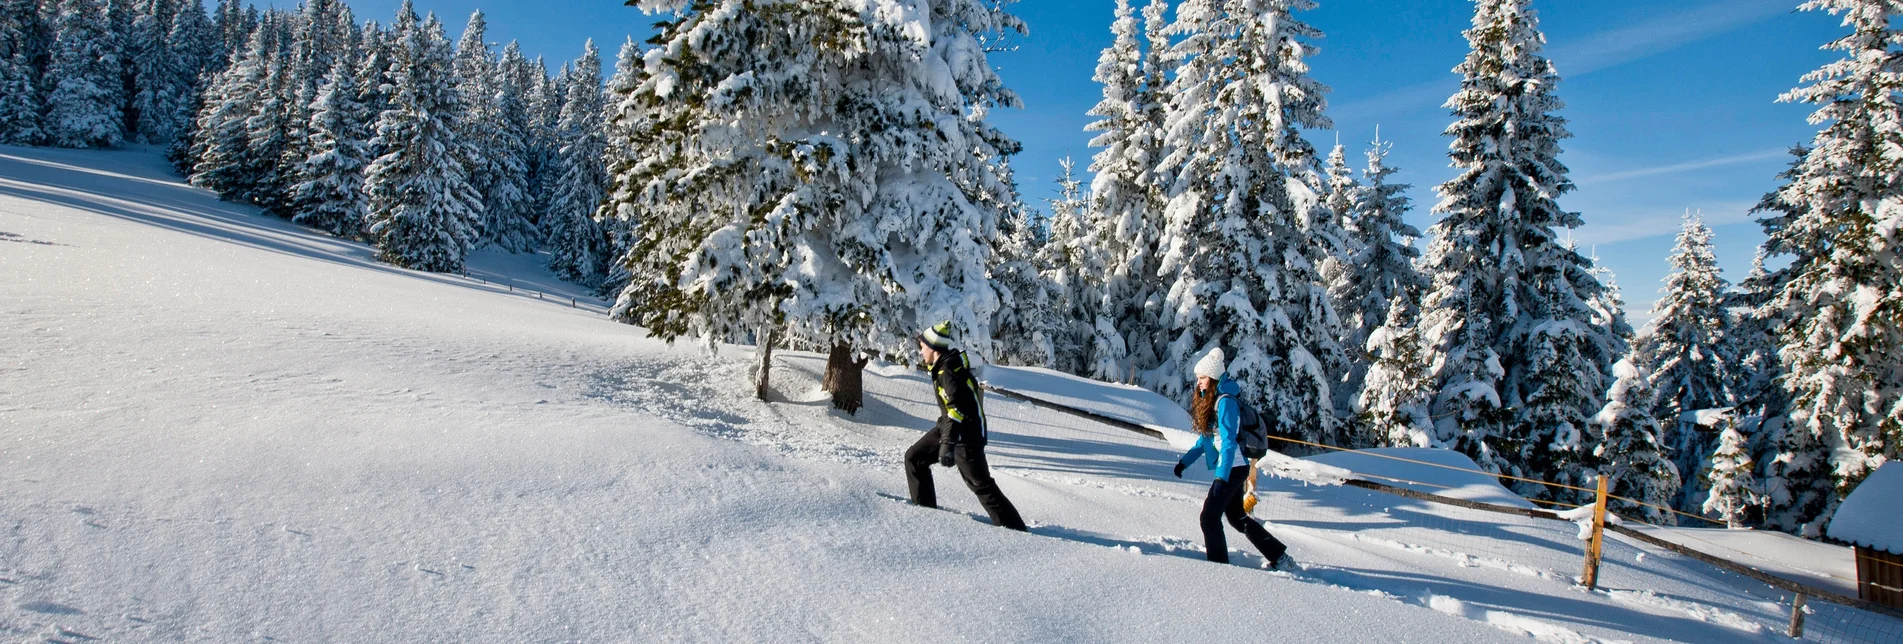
<point>811,176</point>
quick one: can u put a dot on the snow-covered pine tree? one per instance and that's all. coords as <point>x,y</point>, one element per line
<point>1030,307</point>
<point>1071,270</point>
<point>422,208</point>
<point>1520,346</point>
<point>577,244</point>
<point>1732,492</point>
<point>1628,449</point>
<point>194,39</point>
<point>1794,477</point>
<point>545,112</point>
<point>1842,309</point>
<point>510,208</point>
<point>1391,406</point>
<point>373,71</point>
<point>617,215</point>
<point>1242,221</point>
<point>1687,349</point>
<point>1126,201</point>
<point>1382,267</point>
<point>321,34</point>
<point>1342,191</point>
<point>174,41</point>
<point>329,193</point>
<point>221,142</point>
<point>83,109</point>
<point>233,24</point>
<point>269,132</point>
<point>20,34</point>
<point>476,84</point>
<point>822,168</point>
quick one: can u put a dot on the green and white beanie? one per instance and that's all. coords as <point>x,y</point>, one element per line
<point>938,337</point>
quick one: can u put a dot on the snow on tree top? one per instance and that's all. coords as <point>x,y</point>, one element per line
<point>1869,516</point>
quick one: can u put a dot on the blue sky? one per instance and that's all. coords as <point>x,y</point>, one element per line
<point>1672,103</point>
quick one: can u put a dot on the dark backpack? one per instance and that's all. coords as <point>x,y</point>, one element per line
<point>1251,435</point>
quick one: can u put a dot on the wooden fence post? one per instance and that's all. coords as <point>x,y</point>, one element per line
<point>1590,579</point>
<point>1797,616</point>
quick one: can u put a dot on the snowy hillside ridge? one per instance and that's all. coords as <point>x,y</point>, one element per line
<point>1872,516</point>
<point>1471,485</point>
<point>381,454</point>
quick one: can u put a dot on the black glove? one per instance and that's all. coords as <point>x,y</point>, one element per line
<point>1179,469</point>
<point>945,455</point>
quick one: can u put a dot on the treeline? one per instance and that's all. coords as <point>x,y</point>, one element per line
<point>425,148</point>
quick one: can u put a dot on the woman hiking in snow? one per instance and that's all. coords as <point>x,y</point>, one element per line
<point>1216,413</point>
<point>960,436</point>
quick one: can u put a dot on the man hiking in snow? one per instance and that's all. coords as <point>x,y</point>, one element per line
<point>960,436</point>
<point>1217,414</point>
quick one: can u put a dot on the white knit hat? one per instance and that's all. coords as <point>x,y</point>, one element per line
<point>1213,365</point>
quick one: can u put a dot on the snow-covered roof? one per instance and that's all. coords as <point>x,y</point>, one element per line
<point>1872,516</point>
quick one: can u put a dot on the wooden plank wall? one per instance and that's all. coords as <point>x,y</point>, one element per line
<point>1880,577</point>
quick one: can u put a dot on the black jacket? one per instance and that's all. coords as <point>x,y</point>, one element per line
<point>961,402</point>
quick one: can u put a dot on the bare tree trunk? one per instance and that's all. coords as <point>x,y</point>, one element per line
<point>845,378</point>
<point>762,379</point>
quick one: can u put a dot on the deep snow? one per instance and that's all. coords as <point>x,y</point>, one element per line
<point>217,426</point>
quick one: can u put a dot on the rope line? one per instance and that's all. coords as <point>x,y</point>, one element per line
<point>1504,476</point>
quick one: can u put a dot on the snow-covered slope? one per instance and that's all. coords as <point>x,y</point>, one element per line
<point>216,426</point>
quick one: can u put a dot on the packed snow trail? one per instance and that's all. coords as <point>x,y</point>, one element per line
<point>220,426</point>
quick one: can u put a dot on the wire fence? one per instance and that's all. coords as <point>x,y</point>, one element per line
<point>1632,566</point>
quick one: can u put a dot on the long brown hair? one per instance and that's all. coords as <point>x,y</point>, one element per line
<point>1202,410</point>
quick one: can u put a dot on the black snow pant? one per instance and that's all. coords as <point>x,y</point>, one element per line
<point>1225,500</point>
<point>919,460</point>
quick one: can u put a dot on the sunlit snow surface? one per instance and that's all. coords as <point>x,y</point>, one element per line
<point>217,426</point>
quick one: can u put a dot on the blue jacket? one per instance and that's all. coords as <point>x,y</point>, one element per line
<point>1218,448</point>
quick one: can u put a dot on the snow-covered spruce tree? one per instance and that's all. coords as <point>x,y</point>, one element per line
<point>177,44</point>
<point>373,70</point>
<point>510,207</point>
<point>422,208</point>
<point>1342,190</point>
<point>1238,249</point>
<point>576,242</point>
<point>1392,404</point>
<point>476,86</point>
<point>83,109</point>
<point>1628,449</point>
<point>1732,492</point>
<point>1842,310</point>
<point>1687,349</point>
<point>820,171</point>
<point>20,34</point>
<point>619,220</point>
<point>1126,200</point>
<point>545,112</point>
<point>1029,313</point>
<point>1794,477</point>
<point>1520,343</point>
<point>222,140</point>
<point>269,132</point>
<point>329,194</point>
<point>1071,270</point>
<point>1380,270</point>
